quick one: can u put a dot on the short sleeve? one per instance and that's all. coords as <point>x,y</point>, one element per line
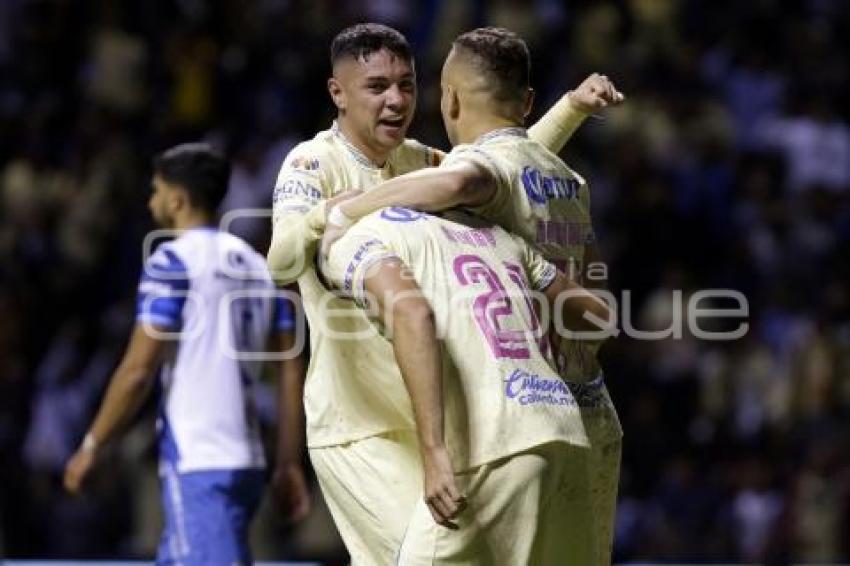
<point>540,272</point>
<point>163,288</point>
<point>421,155</point>
<point>349,260</point>
<point>485,160</point>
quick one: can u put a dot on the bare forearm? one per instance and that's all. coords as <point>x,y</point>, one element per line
<point>125,395</point>
<point>428,190</point>
<point>409,317</point>
<point>418,354</point>
<point>290,410</point>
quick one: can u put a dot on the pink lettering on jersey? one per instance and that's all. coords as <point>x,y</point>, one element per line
<point>517,274</point>
<point>480,238</point>
<point>491,306</point>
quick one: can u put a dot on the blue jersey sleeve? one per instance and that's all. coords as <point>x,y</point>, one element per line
<point>284,315</point>
<point>163,289</point>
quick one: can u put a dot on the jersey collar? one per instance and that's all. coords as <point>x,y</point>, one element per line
<point>513,131</point>
<point>358,155</point>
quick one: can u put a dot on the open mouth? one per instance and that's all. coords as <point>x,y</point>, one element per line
<point>392,122</point>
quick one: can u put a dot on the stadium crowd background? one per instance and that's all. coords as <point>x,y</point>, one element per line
<point>728,167</point>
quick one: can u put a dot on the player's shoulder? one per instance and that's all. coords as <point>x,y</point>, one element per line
<point>312,155</point>
<point>306,169</point>
<point>551,161</point>
<point>417,153</point>
<point>232,242</point>
<point>236,256</point>
<point>488,156</point>
<point>462,151</point>
<point>166,261</point>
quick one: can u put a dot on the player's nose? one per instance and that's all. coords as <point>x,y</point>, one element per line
<point>394,97</point>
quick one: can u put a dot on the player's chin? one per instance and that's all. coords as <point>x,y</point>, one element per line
<point>391,134</point>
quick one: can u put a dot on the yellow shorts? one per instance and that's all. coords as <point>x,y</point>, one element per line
<point>599,468</point>
<point>525,509</point>
<point>371,487</point>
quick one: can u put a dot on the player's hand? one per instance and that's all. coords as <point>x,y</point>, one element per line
<point>595,93</point>
<point>342,197</point>
<point>334,230</point>
<point>442,496</point>
<point>290,492</point>
<point>77,469</point>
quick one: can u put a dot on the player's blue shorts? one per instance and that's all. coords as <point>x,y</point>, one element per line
<point>207,515</point>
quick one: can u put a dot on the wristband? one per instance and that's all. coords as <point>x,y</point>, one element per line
<point>89,444</point>
<point>338,218</point>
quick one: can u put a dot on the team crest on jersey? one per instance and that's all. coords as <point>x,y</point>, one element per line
<point>306,163</point>
<point>540,188</point>
<point>399,214</point>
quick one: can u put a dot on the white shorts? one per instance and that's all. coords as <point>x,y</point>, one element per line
<point>371,487</point>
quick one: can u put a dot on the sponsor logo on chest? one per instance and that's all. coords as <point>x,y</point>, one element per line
<point>542,188</point>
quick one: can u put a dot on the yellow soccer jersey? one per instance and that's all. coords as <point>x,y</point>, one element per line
<point>353,388</point>
<point>548,204</point>
<point>501,395</point>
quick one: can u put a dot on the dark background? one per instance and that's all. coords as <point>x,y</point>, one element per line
<point>728,167</point>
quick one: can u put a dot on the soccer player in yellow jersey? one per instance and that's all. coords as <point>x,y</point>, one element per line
<point>359,420</point>
<point>502,174</point>
<point>511,423</point>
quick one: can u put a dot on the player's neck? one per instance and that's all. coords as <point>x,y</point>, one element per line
<point>376,156</point>
<point>478,126</point>
<point>193,220</point>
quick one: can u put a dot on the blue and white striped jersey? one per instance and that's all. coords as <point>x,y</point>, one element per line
<point>210,295</point>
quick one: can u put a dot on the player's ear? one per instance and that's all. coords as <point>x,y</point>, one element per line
<point>175,199</point>
<point>336,92</point>
<point>454,102</point>
<point>528,102</point>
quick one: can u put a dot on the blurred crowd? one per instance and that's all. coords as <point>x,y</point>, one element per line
<point>727,168</point>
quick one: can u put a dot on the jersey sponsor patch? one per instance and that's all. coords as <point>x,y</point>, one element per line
<point>305,163</point>
<point>531,389</point>
<point>541,188</point>
<point>296,188</point>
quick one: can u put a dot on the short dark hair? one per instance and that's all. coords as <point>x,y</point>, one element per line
<point>203,172</point>
<point>361,40</point>
<point>502,55</point>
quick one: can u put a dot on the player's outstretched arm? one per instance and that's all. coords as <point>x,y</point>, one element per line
<point>429,190</point>
<point>555,128</point>
<point>127,391</point>
<point>561,121</point>
<point>408,316</point>
<point>288,480</point>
